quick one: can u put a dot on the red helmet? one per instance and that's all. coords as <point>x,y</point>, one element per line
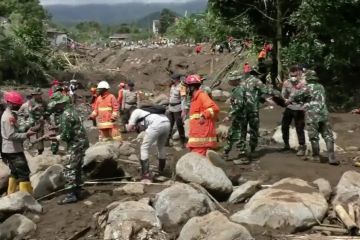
<point>55,82</point>
<point>193,79</point>
<point>14,98</point>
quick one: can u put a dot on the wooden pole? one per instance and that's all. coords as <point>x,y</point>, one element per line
<point>357,216</point>
<point>346,219</point>
<point>351,211</point>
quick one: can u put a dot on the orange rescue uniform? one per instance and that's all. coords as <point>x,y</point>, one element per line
<point>120,95</point>
<point>106,112</point>
<point>262,54</point>
<point>202,136</point>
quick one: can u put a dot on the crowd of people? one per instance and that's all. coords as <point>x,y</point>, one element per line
<point>302,96</point>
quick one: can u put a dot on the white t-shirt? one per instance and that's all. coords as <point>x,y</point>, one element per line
<point>150,120</point>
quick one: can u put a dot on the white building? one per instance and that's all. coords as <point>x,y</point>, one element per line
<point>57,38</point>
<point>156,26</point>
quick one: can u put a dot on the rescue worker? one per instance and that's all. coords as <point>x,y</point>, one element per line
<point>236,115</point>
<point>106,112</point>
<point>92,102</point>
<point>130,101</point>
<point>262,55</point>
<point>293,110</point>
<point>317,116</point>
<point>177,108</point>
<point>24,111</point>
<point>13,135</point>
<point>74,135</point>
<point>72,90</point>
<point>203,115</point>
<point>37,115</point>
<point>246,68</point>
<point>254,89</point>
<point>356,111</point>
<point>157,129</point>
<point>120,93</point>
<point>53,87</point>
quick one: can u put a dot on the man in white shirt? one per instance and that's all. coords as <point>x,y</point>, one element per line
<point>157,129</point>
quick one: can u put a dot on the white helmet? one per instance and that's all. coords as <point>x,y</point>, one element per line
<point>103,84</point>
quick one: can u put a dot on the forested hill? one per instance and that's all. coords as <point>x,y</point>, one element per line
<point>123,12</point>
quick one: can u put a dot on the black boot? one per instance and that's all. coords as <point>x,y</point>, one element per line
<point>286,147</point>
<point>301,151</point>
<point>162,164</point>
<point>331,153</point>
<point>145,170</point>
<point>71,197</point>
<point>315,151</point>
<point>183,141</point>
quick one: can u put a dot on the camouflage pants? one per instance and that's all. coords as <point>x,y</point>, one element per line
<point>315,127</point>
<point>234,135</point>
<point>251,119</point>
<point>18,166</point>
<point>72,171</point>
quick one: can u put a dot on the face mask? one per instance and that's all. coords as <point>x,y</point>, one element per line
<point>293,79</point>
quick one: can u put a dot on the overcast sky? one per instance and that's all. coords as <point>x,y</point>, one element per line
<point>76,2</point>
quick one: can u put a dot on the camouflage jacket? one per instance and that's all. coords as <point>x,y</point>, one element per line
<point>37,110</point>
<point>71,129</point>
<point>237,101</point>
<point>254,88</point>
<point>313,97</point>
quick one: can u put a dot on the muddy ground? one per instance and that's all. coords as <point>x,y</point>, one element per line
<point>61,222</point>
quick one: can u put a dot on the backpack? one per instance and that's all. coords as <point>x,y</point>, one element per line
<point>154,109</point>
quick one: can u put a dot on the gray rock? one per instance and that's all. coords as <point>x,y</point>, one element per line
<point>16,227</point>
<point>324,187</point>
<point>18,202</point>
<point>100,160</point>
<point>126,149</point>
<point>222,131</point>
<point>41,162</point>
<point>4,175</point>
<point>186,127</point>
<point>213,226</point>
<point>178,203</point>
<point>244,192</point>
<point>161,99</point>
<point>289,204</point>
<point>195,168</point>
<point>348,188</point>
<point>128,218</point>
<point>219,95</point>
<point>48,181</point>
<point>131,189</point>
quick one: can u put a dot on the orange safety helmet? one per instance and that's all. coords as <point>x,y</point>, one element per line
<point>14,98</point>
<point>193,79</point>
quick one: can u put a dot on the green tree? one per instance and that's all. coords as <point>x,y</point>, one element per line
<point>167,18</point>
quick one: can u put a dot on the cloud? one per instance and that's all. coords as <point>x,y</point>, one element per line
<point>82,2</point>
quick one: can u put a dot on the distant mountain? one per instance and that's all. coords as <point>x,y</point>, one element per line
<point>119,13</point>
<point>146,21</point>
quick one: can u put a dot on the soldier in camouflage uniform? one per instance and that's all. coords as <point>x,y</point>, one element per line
<point>254,90</point>
<point>74,135</point>
<point>55,116</point>
<point>317,115</point>
<point>37,115</point>
<point>236,115</point>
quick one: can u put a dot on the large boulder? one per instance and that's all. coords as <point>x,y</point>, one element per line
<point>193,167</point>
<point>4,175</point>
<point>41,162</point>
<point>348,188</point>
<point>244,192</point>
<point>18,202</point>
<point>48,181</point>
<point>213,226</point>
<point>277,137</point>
<point>100,160</point>
<point>126,219</point>
<point>161,99</point>
<point>290,204</point>
<point>177,204</point>
<point>16,227</point>
<point>220,95</point>
<point>324,187</point>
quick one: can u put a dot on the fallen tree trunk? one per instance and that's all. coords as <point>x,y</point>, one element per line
<point>346,219</point>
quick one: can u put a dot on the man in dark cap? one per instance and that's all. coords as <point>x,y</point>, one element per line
<point>130,101</point>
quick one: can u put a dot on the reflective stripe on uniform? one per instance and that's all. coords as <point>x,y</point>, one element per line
<point>103,109</point>
<point>202,140</point>
<point>195,116</point>
<point>105,124</point>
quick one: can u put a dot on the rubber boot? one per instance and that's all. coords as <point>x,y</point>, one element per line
<point>183,141</point>
<point>12,185</point>
<point>301,151</point>
<point>145,171</point>
<point>162,164</point>
<point>25,187</point>
<point>69,198</point>
<point>331,153</point>
<point>315,151</point>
